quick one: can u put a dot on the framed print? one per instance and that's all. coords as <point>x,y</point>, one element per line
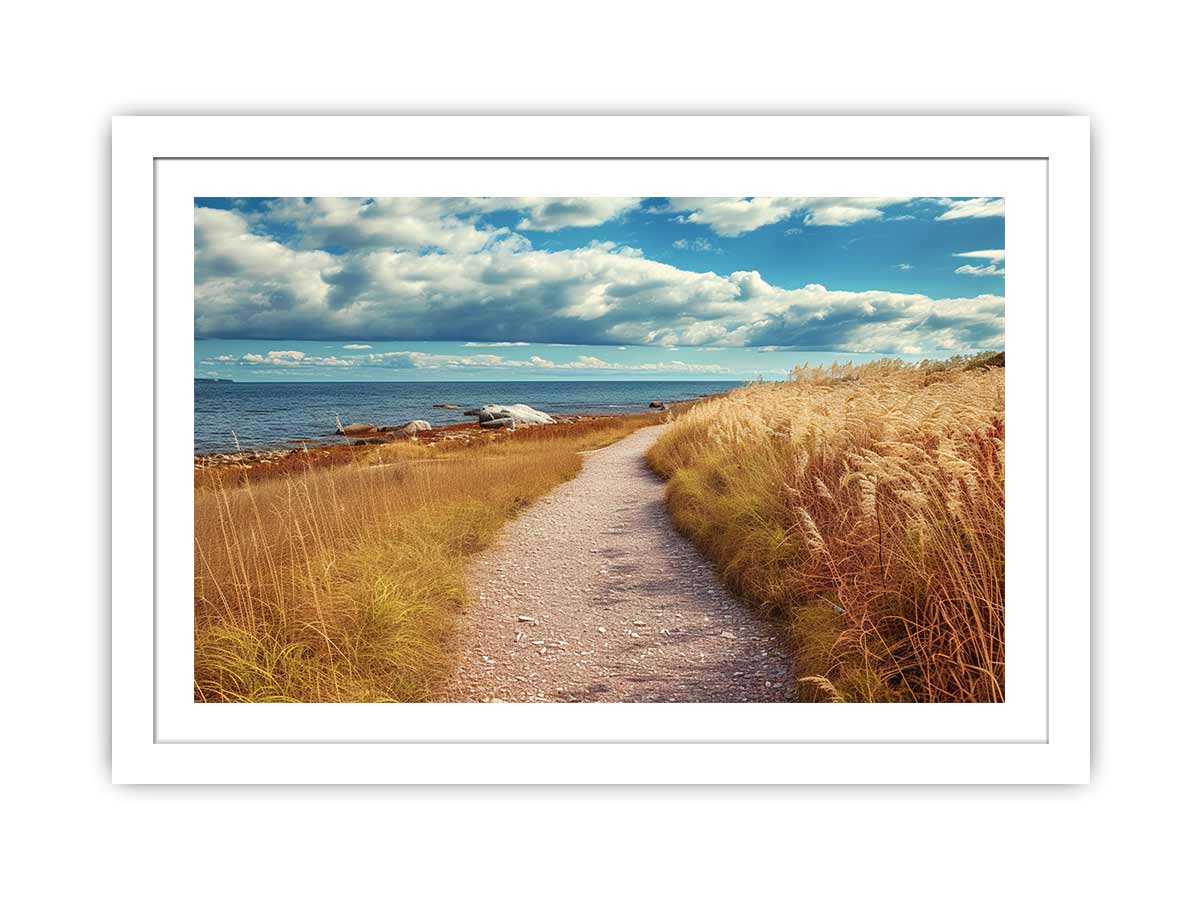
<point>601,449</point>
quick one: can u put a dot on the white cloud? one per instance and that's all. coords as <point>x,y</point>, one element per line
<point>248,286</point>
<point>904,267</point>
<point>592,362</point>
<point>255,270</point>
<point>553,213</point>
<point>496,344</point>
<point>393,222</point>
<point>356,346</point>
<point>449,224</point>
<point>416,359</point>
<point>880,322</point>
<point>994,267</point>
<point>732,216</point>
<point>697,245</point>
<point>974,208</point>
<point>978,270</point>
<point>290,359</point>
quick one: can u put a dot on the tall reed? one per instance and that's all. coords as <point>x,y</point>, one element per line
<point>342,582</point>
<point>865,505</point>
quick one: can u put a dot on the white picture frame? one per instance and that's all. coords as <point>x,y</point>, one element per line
<point>1039,736</point>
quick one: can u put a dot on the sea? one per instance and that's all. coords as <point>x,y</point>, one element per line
<point>281,414</point>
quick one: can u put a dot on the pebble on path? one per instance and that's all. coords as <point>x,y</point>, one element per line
<point>623,607</point>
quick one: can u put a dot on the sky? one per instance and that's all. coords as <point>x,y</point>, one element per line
<point>521,288</point>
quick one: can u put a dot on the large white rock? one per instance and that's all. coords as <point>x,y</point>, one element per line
<point>518,412</point>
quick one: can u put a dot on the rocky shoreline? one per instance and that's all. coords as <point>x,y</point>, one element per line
<point>492,422</point>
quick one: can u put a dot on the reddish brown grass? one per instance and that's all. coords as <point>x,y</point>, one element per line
<point>865,505</point>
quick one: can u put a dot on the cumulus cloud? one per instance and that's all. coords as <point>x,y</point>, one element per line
<point>973,208</point>
<point>732,216</point>
<point>449,224</point>
<point>504,293</point>
<point>815,318</point>
<point>393,222</point>
<point>288,358</point>
<point>255,269</point>
<point>356,346</point>
<point>551,214</point>
<point>416,359</point>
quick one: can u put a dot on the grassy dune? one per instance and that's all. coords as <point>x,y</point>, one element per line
<point>341,582</point>
<point>865,506</point>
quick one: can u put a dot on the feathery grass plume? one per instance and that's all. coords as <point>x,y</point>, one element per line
<point>865,505</point>
<point>824,687</point>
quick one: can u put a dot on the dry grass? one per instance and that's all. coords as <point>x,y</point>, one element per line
<point>340,582</point>
<point>865,505</point>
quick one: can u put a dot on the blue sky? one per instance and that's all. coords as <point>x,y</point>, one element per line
<point>601,287</point>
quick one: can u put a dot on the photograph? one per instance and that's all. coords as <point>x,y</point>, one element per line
<point>598,449</point>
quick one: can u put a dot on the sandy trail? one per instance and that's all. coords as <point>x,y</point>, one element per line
<point>591,595</point>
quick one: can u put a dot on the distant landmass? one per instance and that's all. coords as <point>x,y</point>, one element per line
<point>215,380</point>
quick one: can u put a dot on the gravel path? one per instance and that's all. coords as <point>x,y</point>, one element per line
<point>591,595</point>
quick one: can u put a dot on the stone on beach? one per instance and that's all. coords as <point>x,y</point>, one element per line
<point>518,412</point>
<point>416,425</point>
<point>505,422</point>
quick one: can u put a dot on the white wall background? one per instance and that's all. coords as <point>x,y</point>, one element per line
<point>66,69</point>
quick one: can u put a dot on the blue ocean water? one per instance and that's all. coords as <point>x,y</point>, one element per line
<point>274,414</point>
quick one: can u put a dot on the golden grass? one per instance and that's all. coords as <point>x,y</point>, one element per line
<point>341,582</point>
<point>865,505</point>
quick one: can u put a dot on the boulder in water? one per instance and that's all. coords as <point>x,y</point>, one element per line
<point>357,428</point>
<point>657,404</point>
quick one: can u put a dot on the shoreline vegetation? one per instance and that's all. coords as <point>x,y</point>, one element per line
<point>863,505</point>
<point>337,448</point>
<point>336,573</point>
